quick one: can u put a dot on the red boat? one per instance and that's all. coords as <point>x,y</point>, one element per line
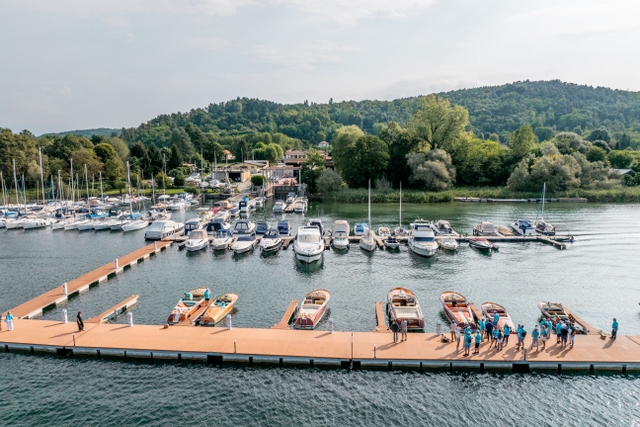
<point>312,309</point>
<point>457,309</point>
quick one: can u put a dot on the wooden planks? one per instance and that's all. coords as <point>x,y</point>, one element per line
<point>115,310</point>
<point>381,319</point>
<point>286,318</point>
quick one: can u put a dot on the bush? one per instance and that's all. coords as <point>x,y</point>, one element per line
<point>257,180</point>
<point>161,178</point>
<point>178,180</point>
<point>329,181</point>
<point>192,189</point>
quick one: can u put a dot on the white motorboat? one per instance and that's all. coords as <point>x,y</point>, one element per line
<point>485,228</point>
<point>384,231</point>
<point>360,228</point>
<point>300,207</point>
<point>308,245</point>
<point>278,207</point>
<point>448,243</point>
<point>340,234</point>
<point>391,243</point>
<point>400,231</point>
<point>222,240</point>
<point>259,202</point>
<point>541,225</point>
<point>244,227</point>
<point>159,230</point>
<point>443,228</point>
<point>271,241</point>
<point>481,243</point>
<point>523,227</point>
<point>422,239</point>
<point>32,223</point>
<point>244,243</point>
<point>136,224</point>
<point>198,240</point>
<point>368,240</point>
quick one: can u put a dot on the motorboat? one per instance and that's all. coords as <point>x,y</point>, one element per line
<point>490,308</point>
<point>244,243</point>
<point>523,227</point>
<point>391,243</point>
<point>290,199</point>
<point>402,304</point>
<point>271,241</point>
<point>457,309</point>
<point>300,207</point>
<point>218,310</point>
<point>244,227</point>
<point>284,227</point>
<point>192,224</point>
<point>368,241</point>
<point>312,309</point>
<point>340,234</point>
<point>33,223</point>
<point>481,243</point>
<point>485,228</point>
<point>422,239</point>
<point>278,207</point>
<point>443,228</point>
<point>360,228</point>
<point>401,231</point>
<point>259,202</point>
<point>136,224</point>
<point>243,205</point>
<point>384,231</point>
<point>554,311</point>
<point>448,243</point>
<point>187,306</point>
<point>222,240</point>
<point>308,244</point>
<point>159,230</point>
<point>216,225</point>
<point>541,225</point>
<point>261,227</point>
<point>198,240</point>
<point>234,212</point>
<point>504,231</point>
<point>315,222</point>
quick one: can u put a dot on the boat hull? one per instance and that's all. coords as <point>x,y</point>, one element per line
<point>196,246</point>
<point>403,304</point>
<point>310,312</point>
<point>425,251</point>
<point>460,313</point>
<point>218,310</point>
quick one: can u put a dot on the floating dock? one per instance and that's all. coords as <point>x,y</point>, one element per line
<point>288,315</point>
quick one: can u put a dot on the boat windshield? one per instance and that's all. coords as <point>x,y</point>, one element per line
<point>308,238</point>
<point>156,226</point>
<point>424,239</point>
<point>246,238</point>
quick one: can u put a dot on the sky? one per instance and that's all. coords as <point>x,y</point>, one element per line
<point>78,64</point>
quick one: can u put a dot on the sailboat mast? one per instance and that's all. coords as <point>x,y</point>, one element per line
<point>400,214</point>
<point>15,180</point>
<point>86,180</point>
<point>544,190</point>
<point>369,216</point>
<point>164,167</point>
<point>101,191</point>
<point>129,185</point>
<point>71,190</point>
<point>4,196</point>
<point>41,176</point>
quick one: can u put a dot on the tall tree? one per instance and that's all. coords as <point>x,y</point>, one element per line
<point>438,124</point>
<point>522,142</point>
<point>175,159</point>
<point>368,157</point>
<point>342,143</point>
<point>400,143</point>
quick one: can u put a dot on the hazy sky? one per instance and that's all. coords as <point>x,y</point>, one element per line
<point>75,64</point>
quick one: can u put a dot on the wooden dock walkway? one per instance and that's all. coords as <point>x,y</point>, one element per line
<point>381,319</point>
<point>286,318</point>
<point>577,319</point>
<point>115,310</point>
<point>476,311</point>
<point>56,296</point>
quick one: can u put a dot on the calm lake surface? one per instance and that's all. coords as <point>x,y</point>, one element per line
<point>597,277</point>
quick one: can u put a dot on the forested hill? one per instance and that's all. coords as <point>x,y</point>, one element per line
<point>546,105</point>
<point>87,133</point>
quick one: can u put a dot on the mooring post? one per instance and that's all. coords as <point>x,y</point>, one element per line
<point>155,246</point>
<point>74,339</point>
<point>525,355</point>
<point>116,262</point>
<point>331,325</point>
<point>64,288</point>
<point>130,319</point>
<point>234,346</point>
<point>65,320</point>
<point>374,351</point>
<point>229,322</point>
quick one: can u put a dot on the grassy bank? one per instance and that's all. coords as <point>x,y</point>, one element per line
<point>349,195</point>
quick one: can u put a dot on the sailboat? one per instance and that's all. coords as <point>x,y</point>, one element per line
<point>368,240</point>
<point>136,221</point>
<point>400,230</point>
<point>541,225</point>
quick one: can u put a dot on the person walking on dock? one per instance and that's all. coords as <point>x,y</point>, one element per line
<point>9,319</point>
<point>478,338</point>
<point>403,329</point>
<point>500,340</point>
<point>452,328</point>
<point>494,337</point>
<point>489,327</point>
<point>79,321</point>
<point>535,338</point>
<point>507,333</point>
<point>614,329</point>
<point>458,330</point>
<point>574,331</point>
<point>394,328</point>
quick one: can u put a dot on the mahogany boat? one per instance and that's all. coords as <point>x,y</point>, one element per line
<point>187,306</point>
<point>219,309</point>
<point>403,304</point>
<point>312,309</point>
<point>488,308</point>
<point>457,309</point>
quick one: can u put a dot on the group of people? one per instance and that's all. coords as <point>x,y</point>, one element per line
<point>8,318</point>
<point>399,326</point>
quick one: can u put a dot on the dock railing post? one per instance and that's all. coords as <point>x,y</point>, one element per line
<point>130,319</point>
<point>65,319</point>
<point>116,262</point>
<point>65,289</point>
<point>234,346</point>
<point>331,325</point>
<point>155,246</point>
<point>525,355</point>
<point>374,351</point>
<point>229,322</point>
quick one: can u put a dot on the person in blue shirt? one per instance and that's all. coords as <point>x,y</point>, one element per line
<point>535,338</point>
<point>521,334</point>
<point>9,319</point>
<point>207,294</point>
<point>496,318</point>
<point>549,328</point>
<point>467,343</point>
<point>478,337</point>
<point>482,326</point>
<point>495,334</point>
<point>559,331</point>
<point>507,332</point>
<point>614,329</point>
<point>545,336</point>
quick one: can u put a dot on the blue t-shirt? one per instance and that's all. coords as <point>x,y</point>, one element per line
<point>614,325</point>
<point>544,332</point>
<point>535,333</point>
<point>478,338</point>
<point>549,325</point>
<point>520,331</point>
<point>559,328</point>
<point>496,318</point>
<point>496,331</point>
<point>481,324</point>
<point>9,317</point>
<point>507,330</point>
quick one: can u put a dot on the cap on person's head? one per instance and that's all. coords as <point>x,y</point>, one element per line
<point>614,319</point>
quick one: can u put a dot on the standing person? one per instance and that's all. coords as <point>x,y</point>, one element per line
<point>452,329</point>
<point>574,331</point>
<point>559,331</point>
<point>458,329</point>
<point>207,294</point>
<point>482,326</point>
<point>9,319</point>
<point>535,338</point>
<point>545,336</point>
<point>507,332</point>
<point>564,333</point>
<point>79,321</point>
<point>500,340</point>
<point>403,329</point>
<point>522,332</point>
<point>478,338</point>
<point>496,319</point>
<point>394,328</point>
<point>494,337</point>
<point>489,327</point>
<point>549,328</point>
<point>614,329</point>
<point>467,343</point>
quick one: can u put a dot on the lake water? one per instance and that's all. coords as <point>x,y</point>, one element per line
<point>597,277</point>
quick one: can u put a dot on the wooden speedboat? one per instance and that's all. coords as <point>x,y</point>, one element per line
<point>553,310</point>
<point>384,231</point>
<point>312,309</point>
<point>219,309</point>
<point>403,304</point>
<point>481,244</point>
<point>187,306</point>
<point>457,309</point>
<point>489,308</point>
